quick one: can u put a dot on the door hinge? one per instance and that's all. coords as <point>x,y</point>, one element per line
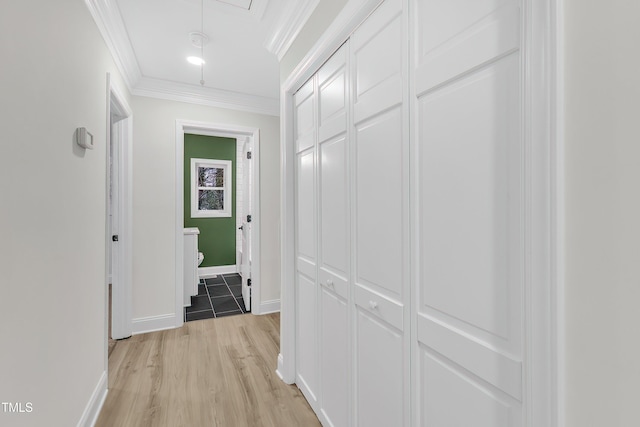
<point>248,282</point>
<point>248,218</point>
<point>114,238</point>
<point>249,155</point>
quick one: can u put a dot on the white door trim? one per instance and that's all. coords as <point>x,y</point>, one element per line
<point>545,207</point>
<point>544,135</point>
<point>117,105</point>
<point>557,117</point>
<point>227,131</point>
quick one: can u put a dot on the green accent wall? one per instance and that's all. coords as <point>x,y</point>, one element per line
<point>217,239</point>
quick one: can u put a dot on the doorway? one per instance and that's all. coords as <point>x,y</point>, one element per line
<point>215,221</point>
<point>248,258</point>
<point>119,214</point>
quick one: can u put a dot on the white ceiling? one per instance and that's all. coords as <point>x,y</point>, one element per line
<point>150,40</point>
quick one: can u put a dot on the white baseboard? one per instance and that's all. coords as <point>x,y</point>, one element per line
<point>143,325</point>
<point>272,306</point>
<point>214,271</point>
<point>92,410</point>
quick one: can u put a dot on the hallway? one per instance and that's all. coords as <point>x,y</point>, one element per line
<point>214,372</point>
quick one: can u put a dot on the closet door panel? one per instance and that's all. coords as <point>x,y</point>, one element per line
<point>379,148</point>
<point>334,167</point>
<point>306,206</point>
<point>457,36</point>
<point>334,231</point>
<point>447,391</point>
<point>306,337</point>
<point>471,202</point>
<point>379,204</point>
<point>471,216</point>
<point>305,120</point>
<point>334,212</point>
<point>380,219</point>
<point>334,356</point>
<point>379,372</point>
<point>470,197</point>
<point>332,96</point>
<point>377,55</point>
<point>306,242</point>
<point>306,291</point>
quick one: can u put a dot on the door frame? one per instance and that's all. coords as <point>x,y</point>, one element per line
<point>122,136</point>
<point>544,289</point>
<point>245,239</point>
<point>225,131</point>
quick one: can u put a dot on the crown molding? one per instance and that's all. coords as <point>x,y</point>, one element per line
<point>173,91</point>
<point>286,29</point>
<point>107,17</point>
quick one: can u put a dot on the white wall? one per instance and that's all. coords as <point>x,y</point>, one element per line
<point>603,212</point>
<point>52,210</point>
<point>154,171</point>
<point>320,19</point>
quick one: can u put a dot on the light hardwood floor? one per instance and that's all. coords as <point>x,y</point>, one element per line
<point>216,372</point>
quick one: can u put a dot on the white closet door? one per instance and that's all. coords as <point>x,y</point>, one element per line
<point>469,150</point>
<point>380,290</point>
<point>334,236</point>
<point>306,230</point>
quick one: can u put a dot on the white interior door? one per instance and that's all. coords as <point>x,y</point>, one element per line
<point>114,220</point>
<point>245,262</point>
<point>306,242</point>
<point>381,244</point>
<point>469,150</point>
<point>110,209</point>
<point>119,213</point>
<point>334,237</point>
<point>119,235</point>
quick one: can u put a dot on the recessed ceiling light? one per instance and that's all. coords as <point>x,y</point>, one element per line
<point>195,60</point>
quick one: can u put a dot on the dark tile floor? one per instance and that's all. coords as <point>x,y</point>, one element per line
<point>217,297</point>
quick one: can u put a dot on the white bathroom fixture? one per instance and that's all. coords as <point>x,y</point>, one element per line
<point>191,262</point>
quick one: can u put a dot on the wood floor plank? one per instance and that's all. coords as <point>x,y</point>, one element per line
<point>214,372</point>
